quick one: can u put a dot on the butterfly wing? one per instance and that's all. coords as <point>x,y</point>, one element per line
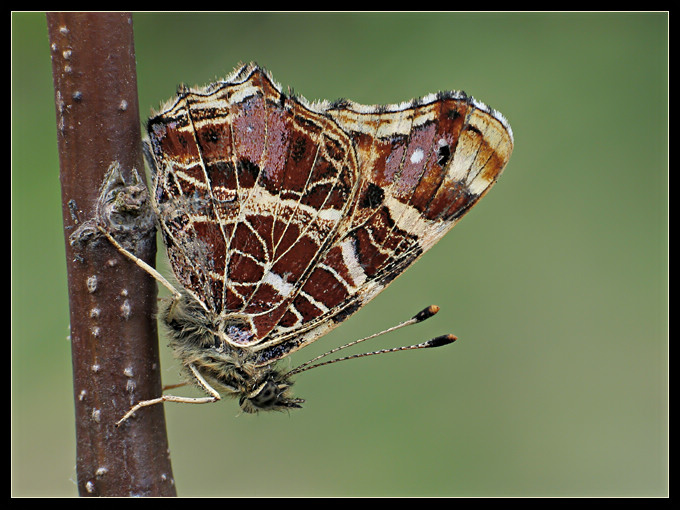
<point>284,217</point>
<point>251,188</point>
<point>422,166</point>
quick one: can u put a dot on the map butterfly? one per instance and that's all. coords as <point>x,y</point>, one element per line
<point>283,217</point>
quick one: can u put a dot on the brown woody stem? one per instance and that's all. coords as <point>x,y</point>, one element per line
<point>112,301</point>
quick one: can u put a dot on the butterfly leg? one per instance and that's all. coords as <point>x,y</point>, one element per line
<point>146,267</point>
<point>213,396</point>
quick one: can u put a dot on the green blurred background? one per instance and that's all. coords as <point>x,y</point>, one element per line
<point>556,284</point>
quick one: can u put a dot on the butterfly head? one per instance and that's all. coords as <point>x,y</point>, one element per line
<point>272,395</point>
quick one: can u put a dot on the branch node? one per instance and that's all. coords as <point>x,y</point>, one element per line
<point>123,209</point>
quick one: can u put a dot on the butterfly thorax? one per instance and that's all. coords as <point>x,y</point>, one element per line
<point>197,339</point>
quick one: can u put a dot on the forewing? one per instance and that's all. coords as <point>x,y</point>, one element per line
<point>422,166</point>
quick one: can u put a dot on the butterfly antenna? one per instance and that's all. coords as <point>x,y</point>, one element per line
<point>435,342</point>
<point>419,317</point>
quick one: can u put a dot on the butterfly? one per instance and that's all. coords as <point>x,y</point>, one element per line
<point>282,217</point>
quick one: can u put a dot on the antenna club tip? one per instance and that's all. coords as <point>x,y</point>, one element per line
<point>442,340</point>
<point>426,313</point>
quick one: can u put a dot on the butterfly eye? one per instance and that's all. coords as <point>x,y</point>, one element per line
<point>266,395</point>
<point>269,396</point>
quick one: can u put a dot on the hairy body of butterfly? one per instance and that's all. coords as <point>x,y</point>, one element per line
<point>197,338</point>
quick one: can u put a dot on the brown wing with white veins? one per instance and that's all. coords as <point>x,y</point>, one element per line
<point>251,188</point>
<point>285,217</point>
<point>422,166</point>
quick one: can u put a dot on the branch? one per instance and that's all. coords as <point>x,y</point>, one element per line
<point>112,301</point>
